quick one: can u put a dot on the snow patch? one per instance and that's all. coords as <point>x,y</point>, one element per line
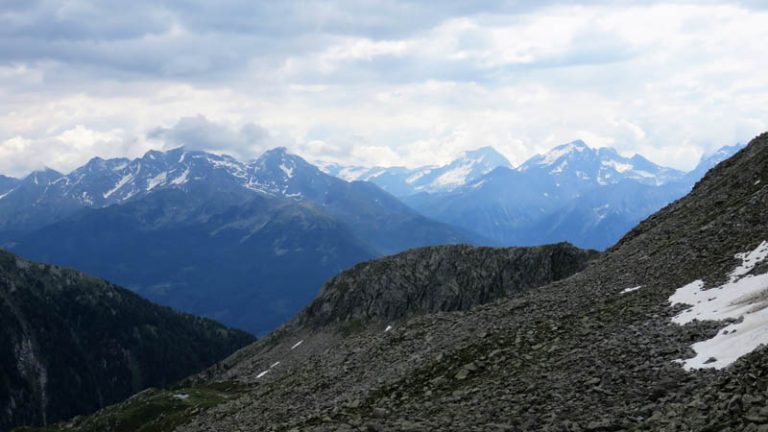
<point>389,327</point>
<point>415,177</point>
<point>287,170</point>
<point>183,178</point>
<point>296,345</point>
<point>6,194</point>
<point>157,180</point>
<point>744,297</point>
<point>456,176</point>
<point>262,374</point>
<point>629,290</point>
<point>618,166</point>
<point>181,396</point>
<point>274,364</point>
<point>560,168</point>
<point>351,173</point>
<point>123,181</point>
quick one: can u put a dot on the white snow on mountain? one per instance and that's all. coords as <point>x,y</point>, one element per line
<point>182,179</point>
<point>455,177</point>
<point>601,166</point>
<point>744,298</point>
<point>122,182</point>
<point>401,181</point>
<point>562,151</point>
<point>102,182</point>
<point>157,180</point>
<point>618,166</point>
<point>287,170</point>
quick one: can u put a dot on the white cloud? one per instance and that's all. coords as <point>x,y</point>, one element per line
<point>64,151</point>
<point>386,82</point>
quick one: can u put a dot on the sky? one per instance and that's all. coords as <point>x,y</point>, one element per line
<point>377,82</point>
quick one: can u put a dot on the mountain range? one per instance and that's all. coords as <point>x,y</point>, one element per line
<point>663,331</point>
<point>575,193</point>
<point>248,243</point>
<point>244,243</point>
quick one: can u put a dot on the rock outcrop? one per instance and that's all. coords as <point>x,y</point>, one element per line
<point>438,279</point>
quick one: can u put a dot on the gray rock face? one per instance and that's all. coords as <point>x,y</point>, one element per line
<point>438,279</point>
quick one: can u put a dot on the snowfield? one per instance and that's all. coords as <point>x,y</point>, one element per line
<point>744,298</point>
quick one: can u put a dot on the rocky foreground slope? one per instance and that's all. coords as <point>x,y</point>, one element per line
<point>71,343</point>
<point>607,349</point>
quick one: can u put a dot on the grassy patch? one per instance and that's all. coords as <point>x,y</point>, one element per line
<point>152,410</point>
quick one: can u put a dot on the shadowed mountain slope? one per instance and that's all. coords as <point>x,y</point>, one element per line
<point>71,343</point>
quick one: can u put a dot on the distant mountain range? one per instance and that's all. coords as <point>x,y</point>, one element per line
<point>249,243</point>
<point>401,181</point>
<point>587,196</point>
<point>245,243</point>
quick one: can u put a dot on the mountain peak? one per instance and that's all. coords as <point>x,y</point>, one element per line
<point>557,154</point>
<point>487,155</point>
<point>562,150</point>
<point>153,154</point>
<point>277,151</point>
<point>44,175</point>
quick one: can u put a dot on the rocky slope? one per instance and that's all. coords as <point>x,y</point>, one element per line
<point>603,350</point>
<point>415,282</point>
<point>71,343</point>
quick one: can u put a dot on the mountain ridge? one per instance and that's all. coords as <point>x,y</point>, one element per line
<point>72,343</point>
<point>589,197</point>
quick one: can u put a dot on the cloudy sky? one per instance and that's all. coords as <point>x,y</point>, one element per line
<point>377,81</point>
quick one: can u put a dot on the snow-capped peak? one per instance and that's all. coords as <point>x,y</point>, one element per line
<point>488,156</point>
<point>603,166</point>
<point>102,182</point>
<point>468,168</point>
<point>559,152</point>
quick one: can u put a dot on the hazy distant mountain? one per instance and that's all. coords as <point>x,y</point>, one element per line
<point>576,166</point>
<point>401,181</point>
<point>245,243</point>
<point>709,161</point>
<point>574,193</point>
